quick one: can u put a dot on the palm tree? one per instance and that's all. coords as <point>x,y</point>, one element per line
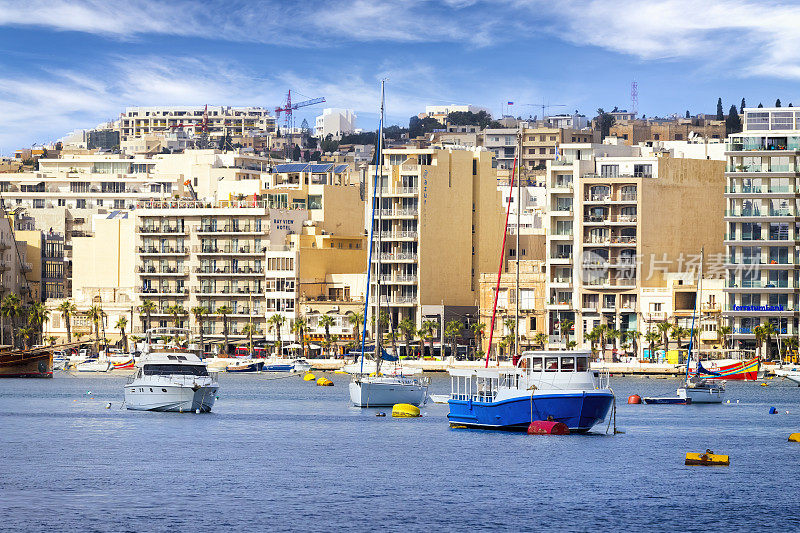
<point>428,327</point>
<point>613,334</point>
<point>37,316</point>
<point>477,329</point>
<point>769,331</point>
<point>11,309</point>
<point>250,329</point>
<point>67,309</point>
<point>199,312</point>
<point>275,322</point>
<point>633,336</point>
<point>147,307</point>
<point>663,329</point>
<point>593,336</point>
<point>326,321</point>
<point>407,329</point>
<point>571,345</point>
<point>677,333</point>
<point>385,322</point>
<point>299,327</point>
<point>225,310</point>
<point>566,326</point>
<point>725,332</point>
<point>510,324</point>
<point>540,339</point>
<point>789,345</point>
<point>758,331</point>
<point>27,334</point>
<point>96,313</point>
<point>653,338</point>
<point>602,332</point>
<point>356,319</point>
<point>452,331</point>
<point>177,311</point>
<point>121,324</point>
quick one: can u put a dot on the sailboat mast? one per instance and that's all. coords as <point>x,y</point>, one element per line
<point>697,305</point>
<point>378,272</point>
<point>519,210</point>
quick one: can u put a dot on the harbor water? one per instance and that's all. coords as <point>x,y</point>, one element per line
<point>284,454</point>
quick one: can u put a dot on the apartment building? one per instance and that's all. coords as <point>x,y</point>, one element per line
<point>503,143</point>
<point>335,122</point>
<point>221,120</point>
<point>440,112</point>
<point>16,269</point>
<point>762,234</point>
<point>620,221</point>
<point>438,225</point>
<point>637,131</point>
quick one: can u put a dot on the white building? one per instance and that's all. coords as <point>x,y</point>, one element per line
<point>574,121</point>
<point>336,122</point>
<point>220,120</point>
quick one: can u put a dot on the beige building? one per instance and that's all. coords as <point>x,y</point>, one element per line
<point>620,223</point>
<point>219,120</point>
<point>540,144</point>
<point>532,287</point>
<point>438,225</point>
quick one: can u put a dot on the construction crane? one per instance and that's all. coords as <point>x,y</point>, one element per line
<point>289,107</point>
<point>545,107</point>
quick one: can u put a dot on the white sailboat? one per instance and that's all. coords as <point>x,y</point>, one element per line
<point>696,388</point>
<point>371,389</point>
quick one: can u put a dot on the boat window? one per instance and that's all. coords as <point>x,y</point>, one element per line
<point>536,365</point>
<point>551,364</point>
<point>567,364</point>
<point>583,364</point>
<point>171,369</point>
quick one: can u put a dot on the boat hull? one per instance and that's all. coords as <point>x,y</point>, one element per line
<point>580,410</point>
<point>170,398</point>
<point>730,370</point>
<point>667,401</point>
<point>22,365</point>
<point>701,395</point>
<point>386,393</point>
<point>254,366</point>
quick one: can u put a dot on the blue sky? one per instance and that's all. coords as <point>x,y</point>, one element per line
<point>72,64</point>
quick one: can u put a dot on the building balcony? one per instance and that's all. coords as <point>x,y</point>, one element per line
<point>561,283</point>
<point>162,291</point>
<point>399,235</point>
<point>559,306</point>
<point>229,228</point>
<point>228,271</point>
<point>765,190</point>
<point>228,249</point>
<point>162,230</point>
<point>397,213</point>
<point>398,257</point>
<point>563,236</point>
<point>772,213</point>
<point>226,290</point>
<point>401,191</point>
<point>561,259</point>
<point>165,250</point>
<point>153,271</point>
<point>610,283</point>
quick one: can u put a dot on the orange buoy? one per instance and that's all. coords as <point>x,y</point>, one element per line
<point>547,427</point>
<point>634,399</point>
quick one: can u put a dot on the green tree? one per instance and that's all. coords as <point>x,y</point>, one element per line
<point>733,124</point>
<point>276,322</point>
<point>177,312</point>
<point>418,127</point>
<point>299,328</point>
<point>326,321</point>
<point>296,154</point>
<point>741,107</point>
<point>452,331</point>
<point>592,336</point>
<point>566,327</point>
<point>428,328</point>
<point>633,336</point>
<point>407,329</point>
<point>37,316</point>
<point>510,325</point>
<point>11,308</point>
<point>121,324</point>
<point>147,308</point>
<point>760,335</point>
<point>199,312</point>
<point>478,329</point>
<point>778,102</point>
<point>225,310</point>
<point>250,329</point>
<point>653,338</point>
<point>356,319</point>
<point>769,331</point>
<point>760,105</point>
<point>724,332</point>
<point>604,121</point>
<point>720,112</point>
<point>687,114</point>
<point>96,314</point>
<point>540,339</point>
<point>67,309</point>
<point>664,329</point>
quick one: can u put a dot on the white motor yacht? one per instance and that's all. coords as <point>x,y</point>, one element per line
<point>93,365</point>
<point>792,374</point>
<point>171,378</point>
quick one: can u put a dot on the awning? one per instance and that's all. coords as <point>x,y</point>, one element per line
<point>314,346</point>
<point>31,182</point>
<point>293,346</point>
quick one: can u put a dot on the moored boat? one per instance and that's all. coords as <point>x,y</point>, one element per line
<point>35,363</point>
<point>728,365</point>
<point>667,401</point>
<point>544,385</point>
<point>792,374</point>
<point>93,365</point>
<point>245,366</point>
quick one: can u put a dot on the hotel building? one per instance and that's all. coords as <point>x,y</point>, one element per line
<point>763,232</point>
<point>139,121</point>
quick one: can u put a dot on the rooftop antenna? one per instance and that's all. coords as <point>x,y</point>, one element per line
<point>634,97</point>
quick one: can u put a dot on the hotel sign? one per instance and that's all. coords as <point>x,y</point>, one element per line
<point>282,222</point>
<point>758,308</point>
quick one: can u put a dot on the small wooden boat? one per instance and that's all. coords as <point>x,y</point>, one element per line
<point>667,401</point>
<point>124,365</point>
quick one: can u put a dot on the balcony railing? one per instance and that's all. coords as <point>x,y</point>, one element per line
<point>161,229</point>
<point>228,249</point>
<point>229,270</point>
<point>169,270</point>
<point>167,250</point>
<point>229,228</point>
<point>162,290</point>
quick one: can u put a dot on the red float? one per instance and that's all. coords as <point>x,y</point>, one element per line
<point>547,427</point>
<point>634,398</point>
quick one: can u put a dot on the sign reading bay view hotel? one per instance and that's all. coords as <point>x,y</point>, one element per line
<point>282,222</point>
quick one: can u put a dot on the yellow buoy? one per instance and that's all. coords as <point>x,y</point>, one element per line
<point>309,377</point>
<point>794,437</point>
<point>765,385</point>
<point>324,382</point>
<point>405,410</point>
<point>708,458</point>
<point>457,426</point>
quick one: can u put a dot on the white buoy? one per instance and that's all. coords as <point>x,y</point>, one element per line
<point>108,405</point>
<point>197,411</point>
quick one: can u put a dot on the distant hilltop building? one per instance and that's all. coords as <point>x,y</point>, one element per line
<point>140,121</point>
<point>440,112</point>
<point>335,122</point>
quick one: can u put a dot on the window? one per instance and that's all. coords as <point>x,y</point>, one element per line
<point>80,203</point>
<point>536,364</point>
<point>551,364</point>
<point>581,364</point>
<point>643,171</point>
<point>315,201</point>
<point>567,364</point>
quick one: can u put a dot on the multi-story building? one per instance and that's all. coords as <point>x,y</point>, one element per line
<point>220,120</point>
<point>335,122</point>
<point>762,236</point>
<point>15,267</point>
<point>440,112</point>
<point>439,225</point>
<point>503,142</point>
<point>621,221</point>
<point>540,144</point>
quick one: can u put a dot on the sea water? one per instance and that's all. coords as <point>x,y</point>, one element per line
<point>284,454</point>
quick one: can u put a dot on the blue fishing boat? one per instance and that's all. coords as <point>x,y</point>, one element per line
<point>667,401</point>
<point>544,385</point>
